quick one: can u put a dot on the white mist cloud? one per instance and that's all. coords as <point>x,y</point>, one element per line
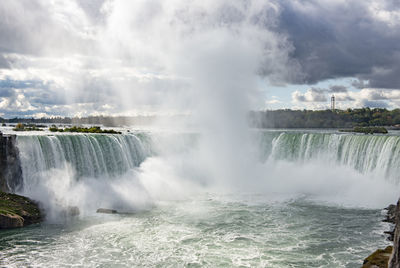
<point>215,50</point>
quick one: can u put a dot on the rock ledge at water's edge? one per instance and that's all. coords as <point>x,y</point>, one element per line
<point>389,257</point>
<point>395,258</point>
<point>379,259</point>
<point>18,211</point>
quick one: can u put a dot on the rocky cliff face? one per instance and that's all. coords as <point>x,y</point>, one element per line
<point>10,167</point>
<point>395,258</point>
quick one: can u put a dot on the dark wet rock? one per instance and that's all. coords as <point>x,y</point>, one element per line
<point>391,208</point>
<point>378,259</point>
<point>10,167</point>
<point>390,218</point>
<point>18,211</point>
<point>8,221</point>
<point>395,258</point>
<point>391,214</point>
<point>390,235</point>
<point>106,211</point>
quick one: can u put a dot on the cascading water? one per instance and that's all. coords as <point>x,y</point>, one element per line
<point>73,159</point>
<point>80,169</point>
<point>89,155</point>
<point>372,154</point>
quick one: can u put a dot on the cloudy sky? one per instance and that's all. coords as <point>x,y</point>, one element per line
<point>91,57</point>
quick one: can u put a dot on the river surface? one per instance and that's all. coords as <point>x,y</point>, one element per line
<point>204,232</point>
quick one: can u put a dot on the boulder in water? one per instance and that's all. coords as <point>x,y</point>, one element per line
<point>107,211</point>
<point>18,211</point>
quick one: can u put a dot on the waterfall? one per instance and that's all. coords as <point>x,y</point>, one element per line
<point>89,155</point>
<point>365,153</point>
<point>107,156</point>
<point>99,170</point>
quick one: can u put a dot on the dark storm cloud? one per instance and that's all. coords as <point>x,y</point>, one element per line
<point>387,77</point>
<point>337,89</point>
<point>334,40</point>
<point>359,84</point>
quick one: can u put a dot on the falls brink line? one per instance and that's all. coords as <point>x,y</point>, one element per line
<point>95,155</point>
<point>89,155</point>
<point>366,153</point>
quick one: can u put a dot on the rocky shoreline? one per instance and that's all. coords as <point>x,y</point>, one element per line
<point>390,256</point>
<point>395,257</point>
<point>18,211</point>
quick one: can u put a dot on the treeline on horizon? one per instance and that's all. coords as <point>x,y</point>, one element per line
<point>108,121</point>
<point>349,118</point>
<point>285,118</point>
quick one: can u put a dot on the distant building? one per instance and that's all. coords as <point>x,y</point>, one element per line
<point>333,103</point>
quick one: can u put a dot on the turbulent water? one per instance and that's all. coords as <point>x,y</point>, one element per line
<point>293,218</point>
<point>204,232</point>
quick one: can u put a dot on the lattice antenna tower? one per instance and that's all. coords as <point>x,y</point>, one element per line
<point>333,103</point>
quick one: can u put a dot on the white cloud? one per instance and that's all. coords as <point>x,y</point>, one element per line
<point>311,95</point>
<point>385,13</point>
<point>40,115</point>
<point>274,101</point>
